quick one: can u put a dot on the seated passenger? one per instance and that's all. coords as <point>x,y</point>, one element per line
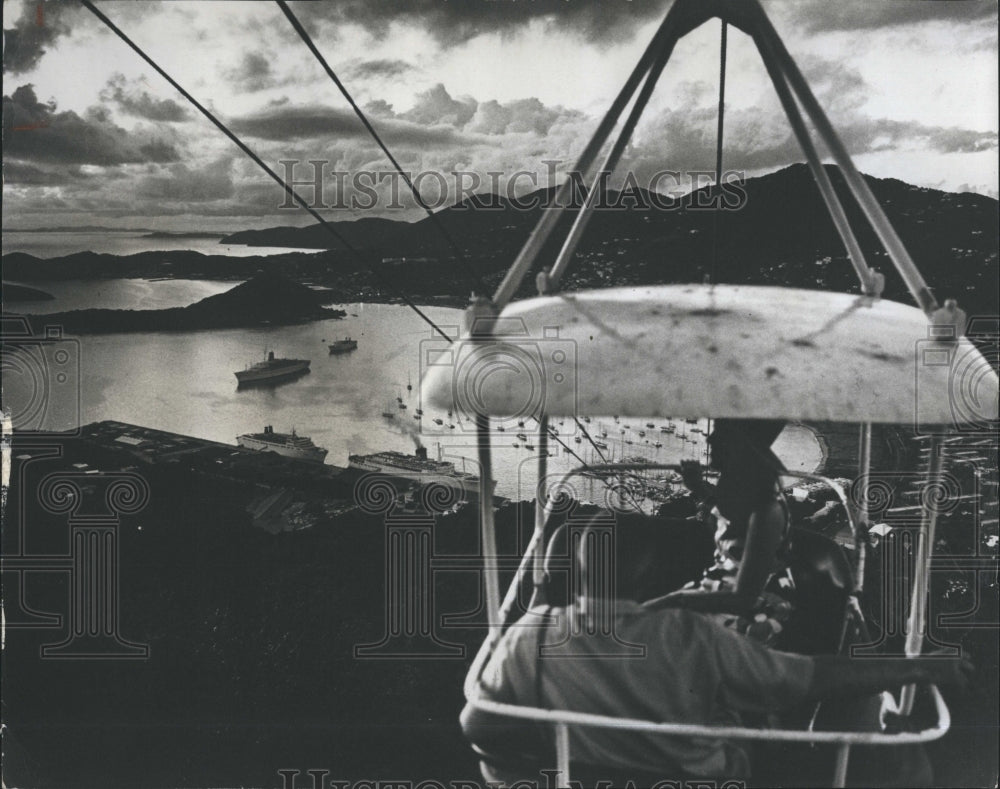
<point>687,669</point>
<point>748,586</point>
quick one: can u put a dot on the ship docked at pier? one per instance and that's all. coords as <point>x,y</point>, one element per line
<point>290,445</point>
<point>272,369</point>
<point>419,468</point>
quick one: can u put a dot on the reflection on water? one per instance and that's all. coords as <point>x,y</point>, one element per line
<point>118,294</point>
<point>184,382</point>
<point>123,242</point>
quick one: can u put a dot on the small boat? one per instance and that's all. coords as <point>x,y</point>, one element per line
<point>345,345</point>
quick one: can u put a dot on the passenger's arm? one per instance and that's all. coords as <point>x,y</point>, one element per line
<point>703,602</point>
<point>765,532</point>
<point>844,676</point>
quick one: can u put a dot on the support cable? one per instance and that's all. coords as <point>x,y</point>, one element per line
<point>478,284</point>
<point>718,148</point>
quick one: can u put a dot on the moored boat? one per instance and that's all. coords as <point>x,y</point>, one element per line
<point>272,369</point>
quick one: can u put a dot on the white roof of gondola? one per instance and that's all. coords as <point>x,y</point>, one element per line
<point>716,351</point>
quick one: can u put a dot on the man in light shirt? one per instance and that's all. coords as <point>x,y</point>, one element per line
<point>662,664</point>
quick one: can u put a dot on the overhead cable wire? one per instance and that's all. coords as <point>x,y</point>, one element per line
<point>263,165</point>
<point>718,146</point>
<point>435,220</point>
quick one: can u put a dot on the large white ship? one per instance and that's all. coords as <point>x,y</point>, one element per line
<point>271,369</point>
<point>290,445</point>
<point>419,468</point>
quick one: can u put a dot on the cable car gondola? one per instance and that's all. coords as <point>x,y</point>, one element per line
<point>709,351</point>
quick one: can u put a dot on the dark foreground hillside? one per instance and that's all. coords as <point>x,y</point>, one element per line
<point>252,668</point>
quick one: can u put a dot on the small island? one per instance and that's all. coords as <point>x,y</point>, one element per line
<point>267,299</point>
<point>13,292</point>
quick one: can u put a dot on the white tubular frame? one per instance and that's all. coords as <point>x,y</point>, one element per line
<point>798,102</point>
<point>562,719</point>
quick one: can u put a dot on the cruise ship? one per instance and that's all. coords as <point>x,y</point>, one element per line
<point>288,444</point>
<point>345,345</point>
<point>272,369</point>
<point>419,468</point>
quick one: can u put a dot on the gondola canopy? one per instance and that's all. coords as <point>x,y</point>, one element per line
<point>717,351</point>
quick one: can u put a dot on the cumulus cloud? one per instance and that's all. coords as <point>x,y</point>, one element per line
<point>254,73</point>
<point>525,115</point>
<point>132,100</point>
<point>36,132</point>
<point>437,106</point>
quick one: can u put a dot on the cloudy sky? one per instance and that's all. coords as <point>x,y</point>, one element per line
<point>94,136</point>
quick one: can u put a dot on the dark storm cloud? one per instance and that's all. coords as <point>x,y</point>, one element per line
<point>294,123</point>
<point>253,73</point>
<point>133,101</point>
<point>823,16</point>
<point>602,21</point>
<point>36,132</point>
<point>381,69</point>
<point>21,174</point>
<point>38,27</point>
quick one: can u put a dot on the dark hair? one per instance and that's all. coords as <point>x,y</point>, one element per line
<point>741,452</point>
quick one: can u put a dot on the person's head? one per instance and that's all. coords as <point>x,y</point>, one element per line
<point>749,470</point>
<point>623,559</point>
<point>744,441</point>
